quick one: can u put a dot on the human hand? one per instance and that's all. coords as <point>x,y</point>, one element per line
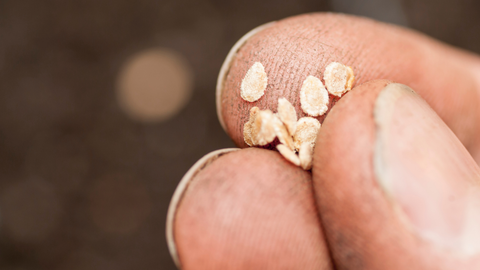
<point>392,187</point>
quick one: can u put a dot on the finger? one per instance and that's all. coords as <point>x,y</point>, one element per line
<point>247,209</point>
<point>395,188</point>
<point>291,49</point>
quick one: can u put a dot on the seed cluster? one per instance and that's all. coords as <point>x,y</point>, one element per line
<point>264,126</point>
<point>295,136</point>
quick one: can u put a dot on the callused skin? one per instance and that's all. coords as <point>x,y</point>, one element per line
<point>296,47</point>
<point>250,209</point>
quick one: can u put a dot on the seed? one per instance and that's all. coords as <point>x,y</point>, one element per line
<point>305,154</point>
<point>263,128</point>
<point>338,78</point>
<point>247,128</point>
<point>288,115</point>
<point>282,133</point>
<point>288,154</point>
<point>307,129</point>
<point>350,78</point>
<point>313,96</point>
<point>254,84</point>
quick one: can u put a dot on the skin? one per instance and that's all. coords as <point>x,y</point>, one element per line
<point>365,223</point>
<point>253,210</point>
<point>296,47</point>
<point>364,220</point>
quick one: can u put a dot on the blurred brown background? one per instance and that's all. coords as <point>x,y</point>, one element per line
<point>105,104</point>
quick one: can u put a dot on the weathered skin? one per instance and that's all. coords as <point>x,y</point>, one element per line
<point>364,229</point>
<point>296,47</point>
<point>250,209</point>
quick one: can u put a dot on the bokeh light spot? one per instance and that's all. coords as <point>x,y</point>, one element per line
<point>154,85</point>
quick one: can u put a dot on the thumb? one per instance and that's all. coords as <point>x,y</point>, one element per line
<point>395,187</point>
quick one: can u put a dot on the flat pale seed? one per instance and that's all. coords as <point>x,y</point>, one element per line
<point>263,129</point>
<point>247,134</point>
<point>305,154</point>
<point>313,96</point>
<point>247,128</point>
<point>287,114</point>
<point>350,78</point>
<point>307,129</point>
<point>254,83</point>
<point>282,133</point>
<point>288,154</point>
<point>336,78</point>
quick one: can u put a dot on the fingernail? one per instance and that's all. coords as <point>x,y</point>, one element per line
<point>425,171</point>
<point>178,194</point>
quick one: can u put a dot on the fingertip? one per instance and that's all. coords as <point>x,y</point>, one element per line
<point>178,194</point>
<point>250,209</point>
<point>295,48</point>
<point>393,184</point>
